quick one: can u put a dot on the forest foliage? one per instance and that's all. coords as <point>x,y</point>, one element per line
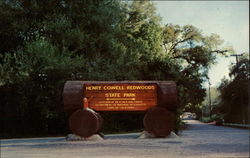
<point>234,94</point>
<point>45,43</point>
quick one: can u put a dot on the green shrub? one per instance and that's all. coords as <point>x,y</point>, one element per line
<point>215,117</point>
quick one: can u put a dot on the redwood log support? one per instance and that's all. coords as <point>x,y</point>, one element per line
<point>85,122</point>
<point>158,121</point>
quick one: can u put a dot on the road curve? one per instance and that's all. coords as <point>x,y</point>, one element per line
<point>198,141</point>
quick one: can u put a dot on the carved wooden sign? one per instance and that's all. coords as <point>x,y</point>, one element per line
<point>120,96</point>
<point>158,98</point>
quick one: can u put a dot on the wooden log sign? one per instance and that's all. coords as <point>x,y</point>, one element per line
<point>158,98</point>
<point>120,96</point>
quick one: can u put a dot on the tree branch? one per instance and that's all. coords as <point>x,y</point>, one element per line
<point>219,51</point>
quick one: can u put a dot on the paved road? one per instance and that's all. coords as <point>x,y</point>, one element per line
<point>198,141</point>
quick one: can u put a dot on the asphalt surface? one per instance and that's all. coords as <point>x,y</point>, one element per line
<point>198,141</point>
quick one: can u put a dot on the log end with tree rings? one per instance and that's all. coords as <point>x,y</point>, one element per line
<point>167,95</point>
<point>84,123</point>
<point>158,121</point>
<point>72,96</point>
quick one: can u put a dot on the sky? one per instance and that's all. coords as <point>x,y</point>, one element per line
<point>228,19</point>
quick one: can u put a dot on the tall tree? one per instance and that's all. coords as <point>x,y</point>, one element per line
<point>194,52</point>
<point>234,103</point>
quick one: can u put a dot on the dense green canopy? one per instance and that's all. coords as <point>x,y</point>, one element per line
<point>45,43</point>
